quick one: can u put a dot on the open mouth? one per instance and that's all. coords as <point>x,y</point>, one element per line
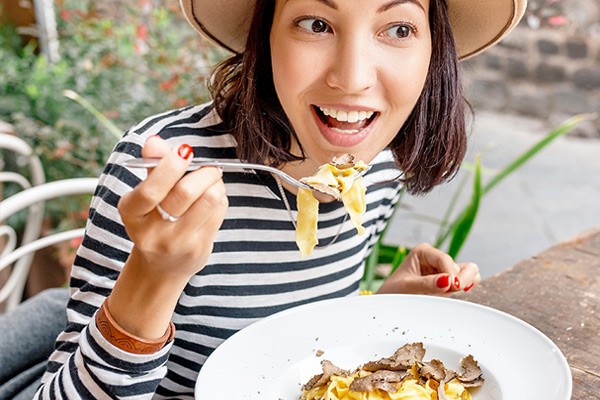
<point>348,122</point>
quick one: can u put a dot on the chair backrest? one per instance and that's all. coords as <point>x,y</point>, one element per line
<point>34,193</point>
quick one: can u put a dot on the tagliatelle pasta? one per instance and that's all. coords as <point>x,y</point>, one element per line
<point>355,204</point>
<point>339,389</point>
<point>306,227</point>
<point>338,179</point>
<point>403,376</point>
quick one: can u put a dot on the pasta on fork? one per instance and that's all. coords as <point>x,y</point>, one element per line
<point>339,179</point>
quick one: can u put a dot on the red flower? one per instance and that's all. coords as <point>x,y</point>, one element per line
<point>169,84</point>
<point>180,103</point>
<point>66,15</point>
<point>558,20</point>
<point>141,32</point>
<point>61,150</point>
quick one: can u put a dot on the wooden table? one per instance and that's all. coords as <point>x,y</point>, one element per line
<point>558,292</point>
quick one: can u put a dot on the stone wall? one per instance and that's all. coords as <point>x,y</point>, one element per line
<point>545,73</point>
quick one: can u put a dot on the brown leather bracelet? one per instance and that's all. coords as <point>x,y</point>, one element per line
<point>120,338</point>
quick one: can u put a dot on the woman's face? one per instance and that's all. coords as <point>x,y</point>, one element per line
<point>348,72</point>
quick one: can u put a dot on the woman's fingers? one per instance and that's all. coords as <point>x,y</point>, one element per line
<point>150,192</point>
<point>155,147</point>
<point>425,270</point>
<point>169,192</point>
<point>469,275</point>
<point>429,270</point>
<point>196,197</point>
<point>430,284</point>
<point>434,260</point>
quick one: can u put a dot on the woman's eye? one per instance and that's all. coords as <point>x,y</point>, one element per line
<point>314,25</point>
<point>402,31</point>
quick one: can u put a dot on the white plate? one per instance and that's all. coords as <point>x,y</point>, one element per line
<point>272,358</point>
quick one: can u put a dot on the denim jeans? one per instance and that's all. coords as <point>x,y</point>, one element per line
<point>27,336</point>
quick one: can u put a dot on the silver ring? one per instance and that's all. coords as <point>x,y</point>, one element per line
<point>165,215</point>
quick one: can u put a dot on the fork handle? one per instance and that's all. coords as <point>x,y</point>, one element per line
<point>147,162</point>
<point>196,164</point>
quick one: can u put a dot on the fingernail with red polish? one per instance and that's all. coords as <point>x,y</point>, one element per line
<point>469,287</point>
<point>185,151</point>
<point>443,281</point>
<point>457,283</point>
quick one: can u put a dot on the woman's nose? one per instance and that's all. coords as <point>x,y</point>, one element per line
<point>352,68</point>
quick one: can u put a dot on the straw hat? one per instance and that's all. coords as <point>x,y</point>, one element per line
<point>477,24</point>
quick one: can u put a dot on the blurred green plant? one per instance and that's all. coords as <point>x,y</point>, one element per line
<point>120,63</point>
<point>454,228</point>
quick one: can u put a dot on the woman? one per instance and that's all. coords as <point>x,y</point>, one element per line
<point>198,256</point>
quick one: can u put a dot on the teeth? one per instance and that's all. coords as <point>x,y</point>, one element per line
<point>353,116</point>
<point>346,116</point>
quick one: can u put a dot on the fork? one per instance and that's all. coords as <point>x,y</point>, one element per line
<point>229,165</point>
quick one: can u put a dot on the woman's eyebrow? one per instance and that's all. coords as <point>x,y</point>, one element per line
<point>329,3</point>
<point>383,8</point>
<point>394,3</point>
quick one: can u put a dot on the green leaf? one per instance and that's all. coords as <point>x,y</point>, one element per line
<point>370,269</point>
<point>561,130</point>
<point>445,227</point>
<point>399,256</point>
<point>112,128</point>
<point>463,226</point>
<point>32,91</point>
<point>386,253</point>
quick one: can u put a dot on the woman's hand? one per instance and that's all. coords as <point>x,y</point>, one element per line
<point>427,270</point>
<point>166,254</point>
<point>196,200</point>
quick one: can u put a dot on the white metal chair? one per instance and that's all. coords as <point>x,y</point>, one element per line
<point>19,254</point>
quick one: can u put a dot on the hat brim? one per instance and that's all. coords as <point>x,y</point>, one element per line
<point>476,24</point>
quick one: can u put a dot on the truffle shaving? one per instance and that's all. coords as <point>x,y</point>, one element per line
<point>388,381</point>
<point>403,359</point>
<point>321,379</point>
<point>470,375</point>
<point>323,188</point>
<point>344,161</point>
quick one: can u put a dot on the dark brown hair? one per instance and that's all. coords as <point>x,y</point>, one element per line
<point>428,148</point>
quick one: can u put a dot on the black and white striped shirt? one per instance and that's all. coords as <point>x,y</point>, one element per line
<point>254,271</point>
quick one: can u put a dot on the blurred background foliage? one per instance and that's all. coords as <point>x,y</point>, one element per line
<point>126,60</point>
